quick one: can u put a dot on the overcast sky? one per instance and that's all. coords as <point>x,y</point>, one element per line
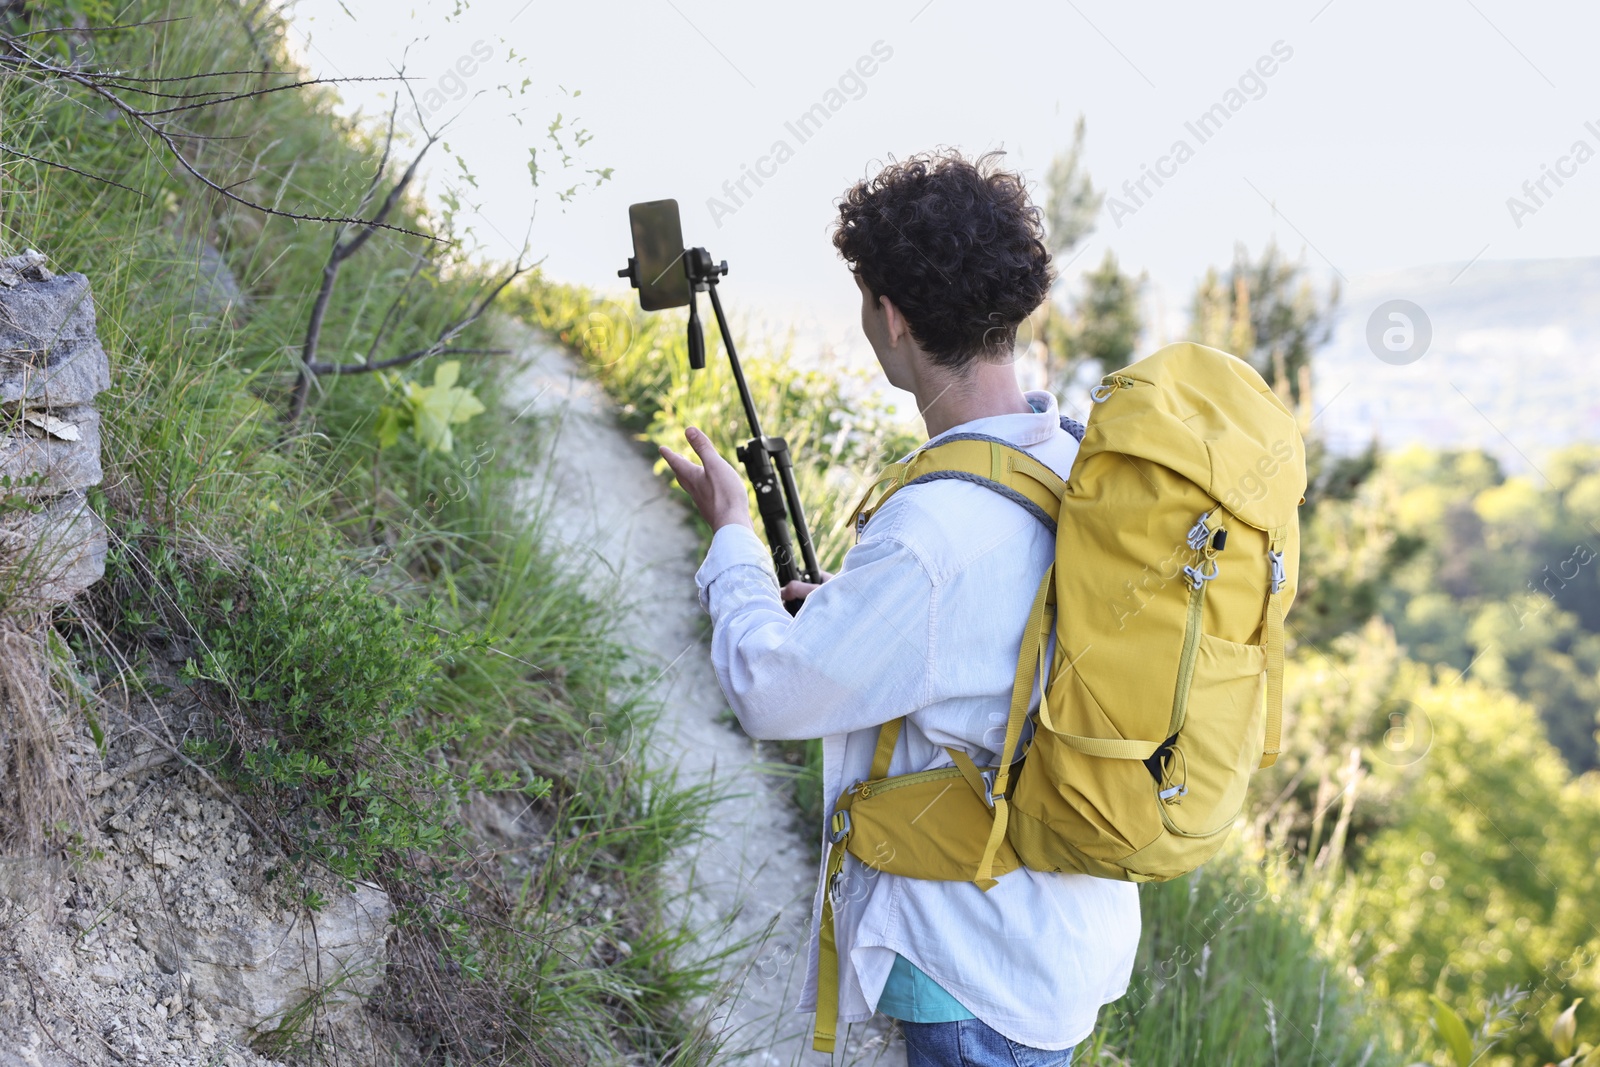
<point>1368,135</point>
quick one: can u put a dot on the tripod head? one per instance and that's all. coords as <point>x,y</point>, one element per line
<point>701,274</point>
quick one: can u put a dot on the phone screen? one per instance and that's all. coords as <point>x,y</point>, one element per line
<point>658,247</point>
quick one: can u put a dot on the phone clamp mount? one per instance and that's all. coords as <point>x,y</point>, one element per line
<point>766,459</point>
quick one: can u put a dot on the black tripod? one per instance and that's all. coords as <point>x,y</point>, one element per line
<point>766,459</point>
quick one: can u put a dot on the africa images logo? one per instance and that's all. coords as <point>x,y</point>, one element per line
<point>852,85</point>
<point>1536,192</point>
<point>1252,85</point>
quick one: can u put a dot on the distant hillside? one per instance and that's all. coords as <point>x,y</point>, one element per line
<point>1513,365</point>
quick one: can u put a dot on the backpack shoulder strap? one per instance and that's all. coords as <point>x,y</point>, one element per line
<point>978,458</point>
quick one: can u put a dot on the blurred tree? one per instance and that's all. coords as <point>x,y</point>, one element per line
<point>1470,846</point>
<point>1099,330</point>
<point>1481,884</point>
<point>1220,316</point>
<point>1533,648</point>
<point>1490,575</point>
<point>1099,327</point>
<point>1350,549</point>
<point>1071,200</point>
<point>1269,313</point>
<point>1569,545</point>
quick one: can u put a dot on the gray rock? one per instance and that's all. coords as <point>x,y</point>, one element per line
<point>218,297</point>
<point>40,460</point>
<point>49,352</point>
<point>27,267</point>
<point>50,552</point>
<point>37,1053</point>
<point>254,969</point>
<point>34,882</point>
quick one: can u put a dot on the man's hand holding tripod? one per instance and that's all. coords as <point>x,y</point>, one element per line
<point>718,491</point>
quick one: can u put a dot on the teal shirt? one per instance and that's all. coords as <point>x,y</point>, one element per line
<point>911,996</point>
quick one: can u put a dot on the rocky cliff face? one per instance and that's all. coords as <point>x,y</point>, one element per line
<point>174,939</point>
<point>141,919</point>
<point>52,546</point>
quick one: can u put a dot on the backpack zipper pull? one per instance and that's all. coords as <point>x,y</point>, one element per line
<point>1177,786</point>
<point>1110,384</point>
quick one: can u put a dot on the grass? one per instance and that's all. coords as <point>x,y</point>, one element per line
<point>388,650</point>
<point>1230,971</point>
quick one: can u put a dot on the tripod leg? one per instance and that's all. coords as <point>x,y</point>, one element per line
<point>791,493</point>
<point>774,515</point>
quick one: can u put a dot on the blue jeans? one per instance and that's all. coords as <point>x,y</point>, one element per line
<point>971,1043</point>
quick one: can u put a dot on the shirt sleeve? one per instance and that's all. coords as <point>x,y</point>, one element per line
<point>859,653</point>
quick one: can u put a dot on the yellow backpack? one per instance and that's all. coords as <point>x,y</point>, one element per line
<point>1177,556</point>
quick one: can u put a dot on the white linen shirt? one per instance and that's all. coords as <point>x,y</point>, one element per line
<point>925,620</point>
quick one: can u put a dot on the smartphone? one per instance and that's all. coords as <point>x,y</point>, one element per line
<point>658,252</point>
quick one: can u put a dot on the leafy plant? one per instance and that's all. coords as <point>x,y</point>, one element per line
<point>428,411</point>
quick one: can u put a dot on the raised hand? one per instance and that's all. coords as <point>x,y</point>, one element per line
<point>715,487</point>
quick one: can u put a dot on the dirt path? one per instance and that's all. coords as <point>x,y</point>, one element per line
<point>750,877</point>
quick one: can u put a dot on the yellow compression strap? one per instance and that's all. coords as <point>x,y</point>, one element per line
<point>889,482</point>
<point>1103,747</point>
<point>888,735</point>
<point>1110,748</point>
<point>970,772</point>
<point>822,1036</point>
<point>1030,664</point>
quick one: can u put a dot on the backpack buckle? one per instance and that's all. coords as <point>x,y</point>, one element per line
<point>1198,576</point>
<point>840,828</point>
<point>988,787</point>
<point>1199,535</point>
<point>1279,579</point>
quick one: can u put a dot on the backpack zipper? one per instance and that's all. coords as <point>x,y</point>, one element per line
<point>1191,651</point>
<point>883,785</point>
<point>1203,540</point>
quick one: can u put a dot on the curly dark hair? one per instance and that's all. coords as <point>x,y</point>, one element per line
<point>956,245</point>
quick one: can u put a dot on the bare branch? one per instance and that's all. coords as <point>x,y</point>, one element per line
<point>400,361</point>
<point>383,160</point>
<point>95,84</point>
<point>128,77</point>
<point>349,248</point>
<point>74,170</point>
<point>483,305</point>
<point>252,94</point>
<point>394,306</point>
<point>131,84</point>
<point>342,250</point>
<point>310,368</point>
<point>58,30</point>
